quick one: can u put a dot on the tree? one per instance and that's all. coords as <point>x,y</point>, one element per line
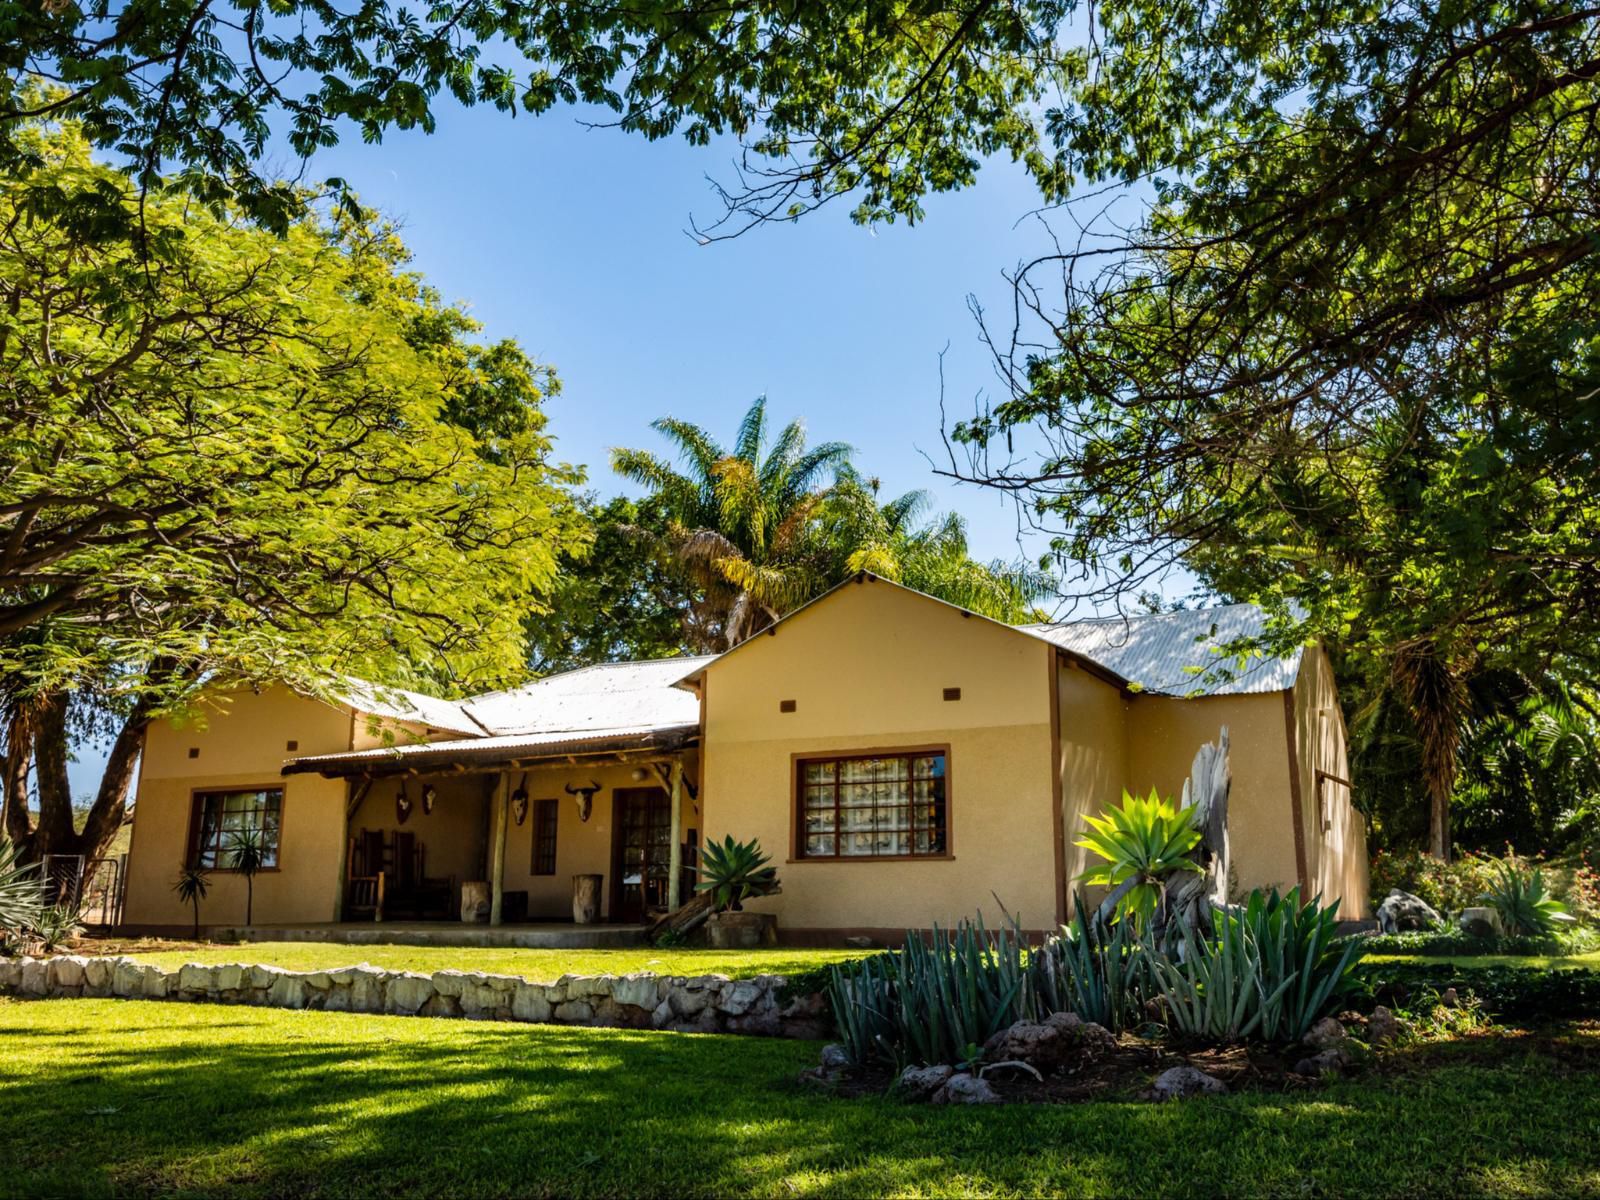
<point>285,461</point>
<point>618,599</point>
<point>741,520</point>
<point>894,99</point>
<point>191,887</point>
<point>1346,364</point>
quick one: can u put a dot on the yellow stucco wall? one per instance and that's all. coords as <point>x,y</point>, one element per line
<point>867,668</point>
<point>242,741</point>
<point>1163,735</point>
<point>1093,717</point>
<point>1336,842</point>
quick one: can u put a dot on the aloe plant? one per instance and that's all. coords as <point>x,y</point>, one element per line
<point>20,897</point>
<point>1525,908</point>
<point>734,872</point>
<point>192,884</point>
<point>1142,842</point>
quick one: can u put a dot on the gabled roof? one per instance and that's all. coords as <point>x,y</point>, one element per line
<point>397,704</point>
<point>610,696</point>
<point>1179,653</point>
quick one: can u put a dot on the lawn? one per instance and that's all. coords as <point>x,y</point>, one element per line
<point>540,966</point>
<point>1589,961</point>
<point>117,1097</point>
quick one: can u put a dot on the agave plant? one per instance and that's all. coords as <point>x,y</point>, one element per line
<point>734,872</point>
<point>57,924</point>
<point>1525,908</point>
<point>20,897</point>
<point>1143,841</point>
<point>1100,969</point>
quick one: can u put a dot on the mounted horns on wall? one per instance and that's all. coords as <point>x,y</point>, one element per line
<point>402,805</point>
<point>429,795</point>
<point>585,797</point>
<point>519,801</point>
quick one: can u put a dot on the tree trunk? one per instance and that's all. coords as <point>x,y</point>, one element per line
<point>196,902</point>
<point>15,822</point>
<point>249,899</point>
<point>1436,696</point>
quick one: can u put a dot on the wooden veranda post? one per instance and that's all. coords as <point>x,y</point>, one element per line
<point>675,853</point>
<point>497,853</point>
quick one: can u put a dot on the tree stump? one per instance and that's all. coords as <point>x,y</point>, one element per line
<point>475,901</point>
<point>586,899</point>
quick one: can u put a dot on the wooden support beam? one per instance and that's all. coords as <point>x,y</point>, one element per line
<point>675,854</point>
<point>497,854</point>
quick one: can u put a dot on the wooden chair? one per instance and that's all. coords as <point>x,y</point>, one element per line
<point>365,877</point>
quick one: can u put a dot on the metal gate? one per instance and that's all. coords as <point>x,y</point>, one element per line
<point>94,888</point>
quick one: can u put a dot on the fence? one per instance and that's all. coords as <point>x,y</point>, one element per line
<point>95,888</point>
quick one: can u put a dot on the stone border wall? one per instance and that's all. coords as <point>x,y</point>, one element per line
<point>693,1004</point>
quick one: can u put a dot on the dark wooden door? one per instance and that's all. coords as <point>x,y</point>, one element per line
<point>641,849</point>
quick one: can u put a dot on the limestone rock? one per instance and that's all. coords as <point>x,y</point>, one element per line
<point>687,1001</point>
<point>263,976</point>
<point>1179,1083</point>
<point>574,1012</point>
<point>230,977</point>
<point>441,1006</point>
<point>662,1016</point>
<point>35,979</point>
<point>529,1003</point>
<point>196,979</point>
<point>736,999</point>
<point>859,942</point>
<point>287,991</point>
<point>1062,1041</point>
<point>10,974</point>
<point>408,992</point>
<point>637,990</point>
<point>1323,1061</point>
<point>1382,1026</point>
<point>920,1083</point>
<point>320,980</point>
<point>97,975</point>
<point>127,978</point>
<point>66,972</point>
<point>1326,1034</point>
<point>835,1057</point>
<point>1480,922</point>
<point>756,1024</point>
<point>966,1089</point>
<point>586,987</point>
<point>1402,912</point>
<point>451,982</point>
<point>154,983</point>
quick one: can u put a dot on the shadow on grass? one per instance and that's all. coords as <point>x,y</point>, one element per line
<point>146,1097</point>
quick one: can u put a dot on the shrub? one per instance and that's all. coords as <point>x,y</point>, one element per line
<point>1525,908</point>
<point>1506,991</point>
<point>1448,887</point>
<point>1458,943</point>
<point>1269,970</point>
<point>20,902</point>
<point>1142,842</point>
<point>1100,969</point>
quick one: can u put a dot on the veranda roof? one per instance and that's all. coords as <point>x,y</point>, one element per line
<point>488,753</point>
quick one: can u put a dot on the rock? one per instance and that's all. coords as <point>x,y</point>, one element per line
<point>637,990</point>
<point>127,978</point>
<point>441,1006</point>
<point>835,1057</point>
<point>319,980</point>
<point>230,977</point>
<point>756,1024</point>
<point>574,1012</point>
<point>811,1007</point>
<point>10,974</point>
<point>859,942</point>
<point>97,975</point>
<point>366,988</point>
<point>586,987</point>
<point>1319,1064</point>
<point>195,979</point>
<point>529,1003</point>
<point>1480,922</point>
<point>662,1016</point>
<point>1326,1034</point>
<point>1180,1083</point>
<point>154,983</point>
<point>687,1001</point>
<point>262,976</point>
<point>1401,912</point>
<point>35,979</point>
<point>408,992</point>
<point>451,982</point>
<point>736,999</point>
<point>66,972</point>
<point>1382,1026</point>
<point>966,1089</point>
<point>920,1083</point>
<point>287,991</point>
<point>1061,1042</point>
<point>1449,999</point>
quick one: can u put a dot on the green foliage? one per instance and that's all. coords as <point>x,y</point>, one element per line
<point>1142,843</point>
<point>826,98</point>
<point>1510,992</point>
<point>55,925</point>
<point>734,872</point>
<point>1098,968</point>
<point>1269,970</point>
<point>20,903</point>
<point>1456,943</point>
<point>247,854</point>
<point>932,1001</point>
<point>1525,908</point>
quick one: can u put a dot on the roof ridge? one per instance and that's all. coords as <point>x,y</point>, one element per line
<point>1129,618</point>
<point>621,662</point>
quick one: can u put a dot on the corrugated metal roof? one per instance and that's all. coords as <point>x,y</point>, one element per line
<point>1179,653</point>
<point>611,696</point>
<point>400,705</point>
<point>490,751</point>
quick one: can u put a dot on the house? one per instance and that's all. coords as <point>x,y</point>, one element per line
<point>903,760</point>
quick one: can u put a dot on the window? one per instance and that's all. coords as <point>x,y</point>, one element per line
<point>218,816</point>
<point>879,806</point>
<point>544,836</point>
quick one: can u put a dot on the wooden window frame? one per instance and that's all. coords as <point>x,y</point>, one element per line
<point>797,836</point>
<point>554,806</point>
<point>192,840</point>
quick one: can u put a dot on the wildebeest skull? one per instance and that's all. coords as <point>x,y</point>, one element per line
<point>585,797</point>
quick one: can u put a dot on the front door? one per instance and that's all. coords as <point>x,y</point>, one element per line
<point>641,853</point>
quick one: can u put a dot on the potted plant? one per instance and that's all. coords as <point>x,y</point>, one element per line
<point>731,873</point>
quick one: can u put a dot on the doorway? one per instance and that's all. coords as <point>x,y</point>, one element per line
<point>641,850</point>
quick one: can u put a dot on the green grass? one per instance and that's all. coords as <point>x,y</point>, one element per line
<point>541,966</point>
<point>1589,961</point>
<point>129,1097</point>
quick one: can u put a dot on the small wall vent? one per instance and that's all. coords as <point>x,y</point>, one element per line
<point>952,693</point>
<point>786,706</point>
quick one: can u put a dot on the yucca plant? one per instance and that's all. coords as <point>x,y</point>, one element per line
<point>247,854</point>
<point>191,886</point>
<point>21,900</point>
<point>734,872</point>
<point>1525,908</point>
<point>1143,841</point>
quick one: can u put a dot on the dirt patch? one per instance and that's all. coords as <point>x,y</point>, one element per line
<point>112,945</point>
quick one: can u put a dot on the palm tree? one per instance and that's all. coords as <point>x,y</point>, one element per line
<point>247,855</point>
<point>191,886</point>
<point>742,520</point>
